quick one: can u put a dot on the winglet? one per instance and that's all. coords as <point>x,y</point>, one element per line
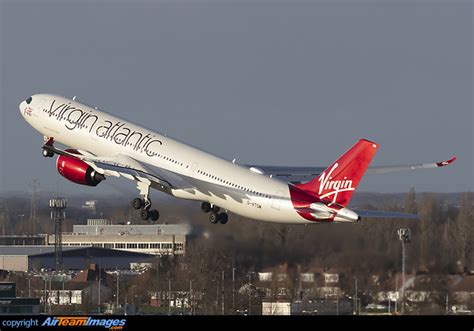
<point>445,163</point>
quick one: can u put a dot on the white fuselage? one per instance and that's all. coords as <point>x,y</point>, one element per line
<point>200,176</point>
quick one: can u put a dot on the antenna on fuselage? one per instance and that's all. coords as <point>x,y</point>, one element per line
<point>74,98</point>
<point>233,161</point>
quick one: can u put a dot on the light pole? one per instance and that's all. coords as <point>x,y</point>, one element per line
<point>217,295</point>
<point>157,274</point>
<point>118,288</point>
<point>396,291</point>
<point>223,292</point>
<point>50,293</point>
<point>45,295</point>
<point>20,219</point>
<point>233,290</point>
<point>447,306</point>
<point>404,236</point>
<point>355,296</point>
<point>191,295</point>
<point>169,293</point>
<point>250,293</point>
<point>98,302</point>
<point>3,211</point>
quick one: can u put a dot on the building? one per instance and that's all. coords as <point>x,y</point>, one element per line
<point>280,282</point>
<point>157,239</point>
<point>36,258</point>
<point>10,304</point>
<point>82,288</point>
<point>323,307</point>
<point>463,290</point>
<point>319,307</point>
<point>99,221</point>
<point>23,240</point>
<point>276,308</point>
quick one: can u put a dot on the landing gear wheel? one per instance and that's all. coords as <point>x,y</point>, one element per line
<point>47,153</point>
<point>213,217</point>
<point>144,214</point>
<point>222,218</point>
<point>154,215</point>
<point>137,203</point>
<point>206,207</point>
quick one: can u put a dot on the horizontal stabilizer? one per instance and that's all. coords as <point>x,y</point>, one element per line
<point>387,169</point>
<point>384,214</point>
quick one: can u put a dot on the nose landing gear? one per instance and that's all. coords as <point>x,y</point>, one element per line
<point>47,153</point>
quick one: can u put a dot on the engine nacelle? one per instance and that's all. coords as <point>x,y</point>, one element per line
<point>77,171</point>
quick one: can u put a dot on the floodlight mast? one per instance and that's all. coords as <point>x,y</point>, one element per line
<point>58,214</point>
<point>404,235</point>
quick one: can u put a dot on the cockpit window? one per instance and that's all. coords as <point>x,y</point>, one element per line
<point>28,101</point>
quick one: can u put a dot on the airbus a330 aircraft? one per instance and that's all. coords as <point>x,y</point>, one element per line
<point>102,145</point>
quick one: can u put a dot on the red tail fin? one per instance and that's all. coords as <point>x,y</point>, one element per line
<point>337,183</point>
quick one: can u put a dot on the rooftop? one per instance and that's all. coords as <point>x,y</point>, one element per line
<point>66,251</point>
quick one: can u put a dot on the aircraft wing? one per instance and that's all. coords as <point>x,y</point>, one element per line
<point>301,174</point>
<point>118,165</point>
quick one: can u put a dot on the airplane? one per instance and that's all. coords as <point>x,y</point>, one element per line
<point>101,145</point>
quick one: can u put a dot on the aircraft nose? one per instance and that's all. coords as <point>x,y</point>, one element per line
<point>24,104</point>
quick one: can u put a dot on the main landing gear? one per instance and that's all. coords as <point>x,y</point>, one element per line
<point>144,204</point>
<point>214,215</point>
<point>145,213</point>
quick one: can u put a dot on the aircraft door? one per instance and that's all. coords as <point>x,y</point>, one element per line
<point>193,168</point>
<point>276,203</point>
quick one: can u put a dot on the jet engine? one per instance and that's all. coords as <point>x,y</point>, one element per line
<point>77,171</point>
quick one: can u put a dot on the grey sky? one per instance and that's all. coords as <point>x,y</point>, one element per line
<point>267,82</point>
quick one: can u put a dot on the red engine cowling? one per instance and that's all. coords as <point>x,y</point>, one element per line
<point>77,171</point>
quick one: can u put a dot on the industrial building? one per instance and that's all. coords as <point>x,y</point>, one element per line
<point>18,240</point>
<point>157,239</point>
<point>36,258</point>
<point>110,246</point>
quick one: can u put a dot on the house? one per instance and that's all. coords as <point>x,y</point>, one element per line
<point>463,291</point>
<point>276,308</point>
<point>328,282</point>
<point>317,307</point>
<point>275,282</point>
<point>86,287</point>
